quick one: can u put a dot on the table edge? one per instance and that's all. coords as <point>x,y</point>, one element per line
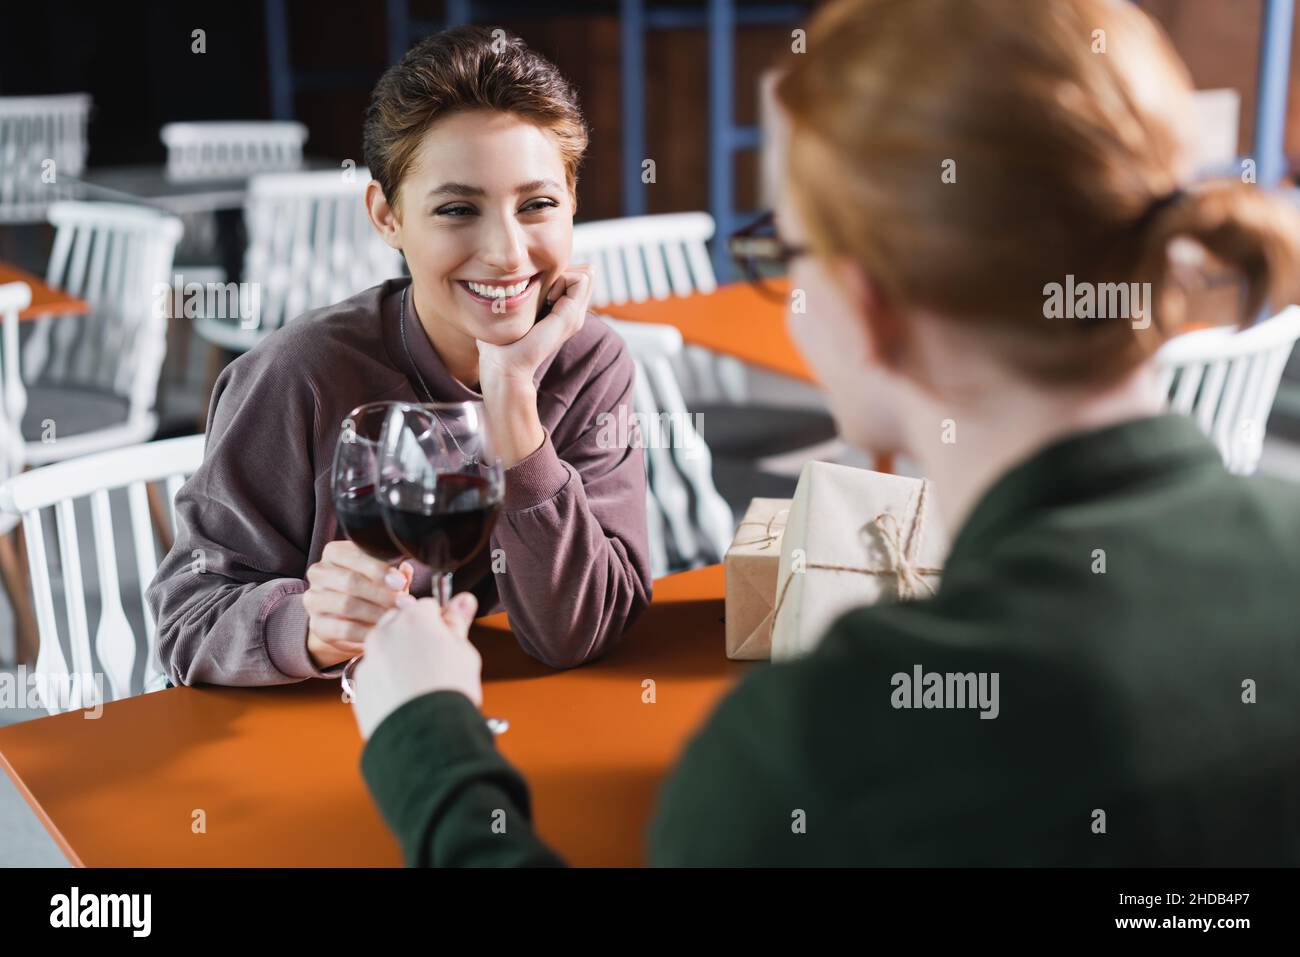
<point>44,818</point>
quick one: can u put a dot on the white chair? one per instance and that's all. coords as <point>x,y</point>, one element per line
<point>217,150</point>
<point>1227,379</point>
<point>14,298</point>
<point>689,523</point>
<point>58,488</point>
<point>91,381</point>
<point>654,257</point>
<point>224,150</point>
<point>644,257</point>
<point>310,244</point>
<point>42,138</point>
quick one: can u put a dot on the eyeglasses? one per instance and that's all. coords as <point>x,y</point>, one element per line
<point>762,255</point>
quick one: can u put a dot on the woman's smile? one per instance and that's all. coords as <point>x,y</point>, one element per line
<point>500,295</point>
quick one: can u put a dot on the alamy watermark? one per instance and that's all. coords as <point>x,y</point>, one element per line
<point>642,430</point>
<point>930,689</point>
<point>132,912</point>
<point>240,301</point>
<point>34,690</point>
<point>1105,300</point>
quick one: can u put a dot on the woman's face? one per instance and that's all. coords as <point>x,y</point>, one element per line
<point>485,222</point>
<point>830,326</point>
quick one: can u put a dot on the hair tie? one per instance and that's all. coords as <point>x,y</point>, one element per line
<point>1156,207</point>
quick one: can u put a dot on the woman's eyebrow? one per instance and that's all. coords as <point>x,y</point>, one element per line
<point>462,189</point>
<point>457,189</point>
<point>536,185</point>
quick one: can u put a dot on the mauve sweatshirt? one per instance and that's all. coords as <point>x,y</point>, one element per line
<point>573,571</point>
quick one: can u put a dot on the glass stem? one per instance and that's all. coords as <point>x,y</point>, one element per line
<point>442,588</point>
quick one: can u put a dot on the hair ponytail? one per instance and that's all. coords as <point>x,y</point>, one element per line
<point>1253,233</point>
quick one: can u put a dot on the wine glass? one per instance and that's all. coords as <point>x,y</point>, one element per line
<point>440,485</point>
<point>440,488</point>
<point>353,486</point>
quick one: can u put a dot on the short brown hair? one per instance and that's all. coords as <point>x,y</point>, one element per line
<point>467,68</point>
<point>1067,161</point>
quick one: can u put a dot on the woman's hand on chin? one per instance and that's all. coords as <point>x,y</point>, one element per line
<point>571,294</point>
<point>506,372</point>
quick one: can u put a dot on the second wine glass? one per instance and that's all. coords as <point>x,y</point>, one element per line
<point>440,485</point>
<point>440,489</point>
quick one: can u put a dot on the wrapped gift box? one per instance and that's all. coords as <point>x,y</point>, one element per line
<point>751,569</point>
<point>852,537</point>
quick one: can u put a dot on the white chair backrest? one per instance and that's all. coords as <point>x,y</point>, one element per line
<point>14,297</point>
<point>1217,121</point>
<point>643,257</point>
<point>216,150</point>
<point>689,522</point>
<point>118,258</point>
<point>42,144</point>
<point>1227,379</point>
<point>58,488</point>
<point>310,243</point>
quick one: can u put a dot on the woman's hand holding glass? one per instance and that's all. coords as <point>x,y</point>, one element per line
<point>347,593</point>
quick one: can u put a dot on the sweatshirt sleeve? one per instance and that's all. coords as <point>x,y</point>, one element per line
<point>228,597</point>
<point>445,791</point>
<point>576,570</point>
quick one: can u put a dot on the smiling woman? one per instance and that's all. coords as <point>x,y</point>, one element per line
<point>474,143</point>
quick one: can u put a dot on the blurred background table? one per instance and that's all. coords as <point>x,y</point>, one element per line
<point>46,300</point>
<point>151,184</point>
<point>734,321</point>
<point>275,771</point>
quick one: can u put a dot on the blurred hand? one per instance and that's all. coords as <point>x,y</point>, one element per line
<point>347,593</point>
<point>414,651</point>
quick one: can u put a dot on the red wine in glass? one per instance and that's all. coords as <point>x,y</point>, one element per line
<point>441,485</point>
<point>446,526</point>
<point>359,515</point>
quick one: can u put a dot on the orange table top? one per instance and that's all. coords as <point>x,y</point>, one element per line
<point>276,770</point>
<point>46,300</point>
<point>735,321</point>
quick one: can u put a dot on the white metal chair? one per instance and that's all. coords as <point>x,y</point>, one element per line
<point>225,150</point>
<point>216,150</point>
<point>91,381</point>
<point>644,257</point>
<point>310,244</point>
<point>14,298</point>
<point>1227,379</point>
<point>53,493</point>
<point>42,138</point>
<point>689,523</point>
<point>654,257</point>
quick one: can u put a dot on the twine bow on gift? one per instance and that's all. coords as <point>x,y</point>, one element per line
<point>909,576</point>
<point>903,567</point>
<point>769,536</point>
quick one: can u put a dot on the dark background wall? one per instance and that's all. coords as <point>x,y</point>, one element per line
<point>136,60</point>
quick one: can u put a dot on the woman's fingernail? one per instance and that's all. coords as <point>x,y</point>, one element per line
<point>394,579</point>
<point>404,600</point>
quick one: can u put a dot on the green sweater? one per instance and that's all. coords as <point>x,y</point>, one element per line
<point>1139,609</point>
